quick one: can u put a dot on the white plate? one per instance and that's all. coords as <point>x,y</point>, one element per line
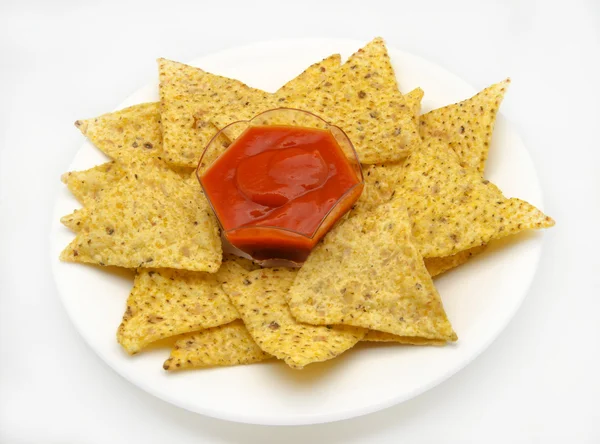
<point>480,297</point>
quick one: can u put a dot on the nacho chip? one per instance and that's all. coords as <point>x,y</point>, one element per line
<point>380,336</point>
<point>381,182</point>
<point>367,273</point>
<point>453,209</point>
<point>189,99</point>
<point>193,100</point>
<point>467,126</point>
<point>151,218</point>
<point>362,98</point>
<point>229,344</point>
<point>260,298</point>
<point>87,186</point>
<point>438,265</point>
<point>166,302</point>
<point>129,132</point>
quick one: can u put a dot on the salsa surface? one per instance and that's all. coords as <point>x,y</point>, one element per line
<point>278,176</point>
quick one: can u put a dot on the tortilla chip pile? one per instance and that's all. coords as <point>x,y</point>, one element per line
<point>426,208</point>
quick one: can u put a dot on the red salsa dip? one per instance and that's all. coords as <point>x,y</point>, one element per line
<point>274,188</point>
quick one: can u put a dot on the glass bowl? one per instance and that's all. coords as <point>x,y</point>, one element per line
<point>266,243</point>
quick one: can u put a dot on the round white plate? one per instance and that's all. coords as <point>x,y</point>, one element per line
<point>480,297</point>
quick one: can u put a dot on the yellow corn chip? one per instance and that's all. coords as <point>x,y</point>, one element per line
<point>438,265</point>
<point>467,126</point>
<point>166,302</point>
<point>362,98</point>
<point>129,132</point>
<point>260,298</point>
<point>88,185</point>
<point>381,182</point>
<point>380,336</point>
<point>367,273</point>
<point>229,344</point>
<point>453,209</point>
<point>150,218</point>
<point>190,98</point>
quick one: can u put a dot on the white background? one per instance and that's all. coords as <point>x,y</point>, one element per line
<point>63,60</point>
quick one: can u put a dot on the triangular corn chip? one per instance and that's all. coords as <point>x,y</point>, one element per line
<point>260,298</point>
<point>381,183</point>
<point>166,302</point>
<point>453,209</point>
<point>190,98</point>
<point>362,98</point>
<point>467,126</point>
<point>193,99</point>
<point>129,132</point>
<point>88,185</point>
<point>367,273</point>
<point>229,344</point>
<point>149,218</point>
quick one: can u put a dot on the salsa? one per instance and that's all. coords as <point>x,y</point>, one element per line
<point>272,188</point>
